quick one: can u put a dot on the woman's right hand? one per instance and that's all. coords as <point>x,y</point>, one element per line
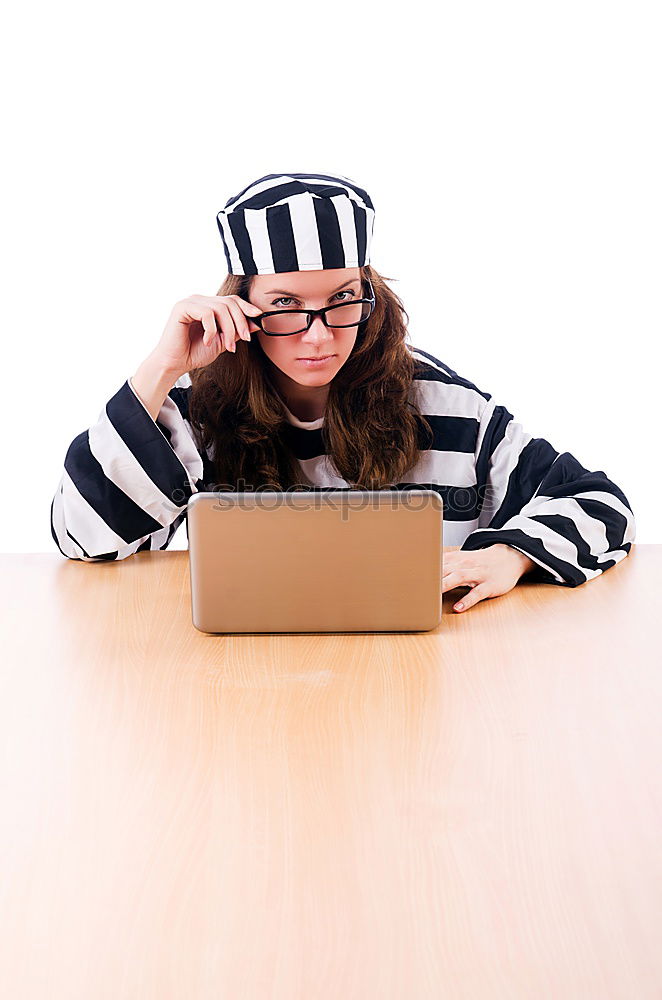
<point>200,328</point>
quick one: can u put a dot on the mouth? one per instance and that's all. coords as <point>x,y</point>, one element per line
<point>318,359</point>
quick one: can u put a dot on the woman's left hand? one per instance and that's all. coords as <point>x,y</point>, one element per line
<point>489,572</point>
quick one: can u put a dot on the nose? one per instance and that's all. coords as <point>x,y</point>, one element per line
<point>317,333</point>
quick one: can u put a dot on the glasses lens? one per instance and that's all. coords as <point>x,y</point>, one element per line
<point>287,322</point>
<point>348,314</point>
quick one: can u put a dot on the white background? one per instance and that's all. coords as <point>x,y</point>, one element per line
<point>512,152</point>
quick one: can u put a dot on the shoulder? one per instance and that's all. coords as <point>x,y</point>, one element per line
<point>438,389</point>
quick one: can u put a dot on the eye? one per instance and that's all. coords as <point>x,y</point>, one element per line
<point>288,298</point>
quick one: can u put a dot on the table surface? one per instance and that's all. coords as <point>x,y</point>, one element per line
<point>465,813</point>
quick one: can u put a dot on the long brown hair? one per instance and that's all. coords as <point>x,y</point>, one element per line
<point>371,428</point>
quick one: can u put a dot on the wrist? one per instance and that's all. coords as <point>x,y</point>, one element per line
<point>526,564</point>
<point>157,373</point>
<point>151,383</point>
<point>520,559</point>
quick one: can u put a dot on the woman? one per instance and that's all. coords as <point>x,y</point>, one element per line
<point>324,392</point>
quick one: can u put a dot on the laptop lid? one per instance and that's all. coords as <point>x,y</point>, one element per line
<point>319,561</point>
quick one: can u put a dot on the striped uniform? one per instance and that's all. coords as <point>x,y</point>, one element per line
<point>127,480</point>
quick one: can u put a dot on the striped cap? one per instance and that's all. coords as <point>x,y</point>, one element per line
<point>297,222</point>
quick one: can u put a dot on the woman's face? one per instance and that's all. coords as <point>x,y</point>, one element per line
<point>307,290</point>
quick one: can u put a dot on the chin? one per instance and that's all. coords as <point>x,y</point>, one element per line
<point>312,378</point>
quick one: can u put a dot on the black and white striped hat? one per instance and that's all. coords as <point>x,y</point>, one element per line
<point>297,222</point>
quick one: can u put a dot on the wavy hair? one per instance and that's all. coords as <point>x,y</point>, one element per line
<point>371,429</point>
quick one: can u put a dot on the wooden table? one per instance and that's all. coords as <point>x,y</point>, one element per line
<point>472,812</point>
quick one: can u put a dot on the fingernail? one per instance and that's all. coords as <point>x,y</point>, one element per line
<point>458,607</point>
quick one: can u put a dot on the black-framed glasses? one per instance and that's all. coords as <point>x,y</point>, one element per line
<point>285,322</point>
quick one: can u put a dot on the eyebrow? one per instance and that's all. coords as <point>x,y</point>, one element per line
<point>282,291</point>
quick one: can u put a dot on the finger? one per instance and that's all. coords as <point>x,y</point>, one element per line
<point>240,321</point>
<point>452,563</point>
<point>208,320</point>
<point>241,310</point>
<point>250,308</point>
<point>226,322</point>
<point>476,594</point>
<point>458,578</point>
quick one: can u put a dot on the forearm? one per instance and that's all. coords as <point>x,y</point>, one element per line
<point>152,383</point>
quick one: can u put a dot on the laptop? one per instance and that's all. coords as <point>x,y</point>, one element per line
<point>315,561</point>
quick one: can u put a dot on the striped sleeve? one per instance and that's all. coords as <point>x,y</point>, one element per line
<point>573,523</point>
<point>127,480</point>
